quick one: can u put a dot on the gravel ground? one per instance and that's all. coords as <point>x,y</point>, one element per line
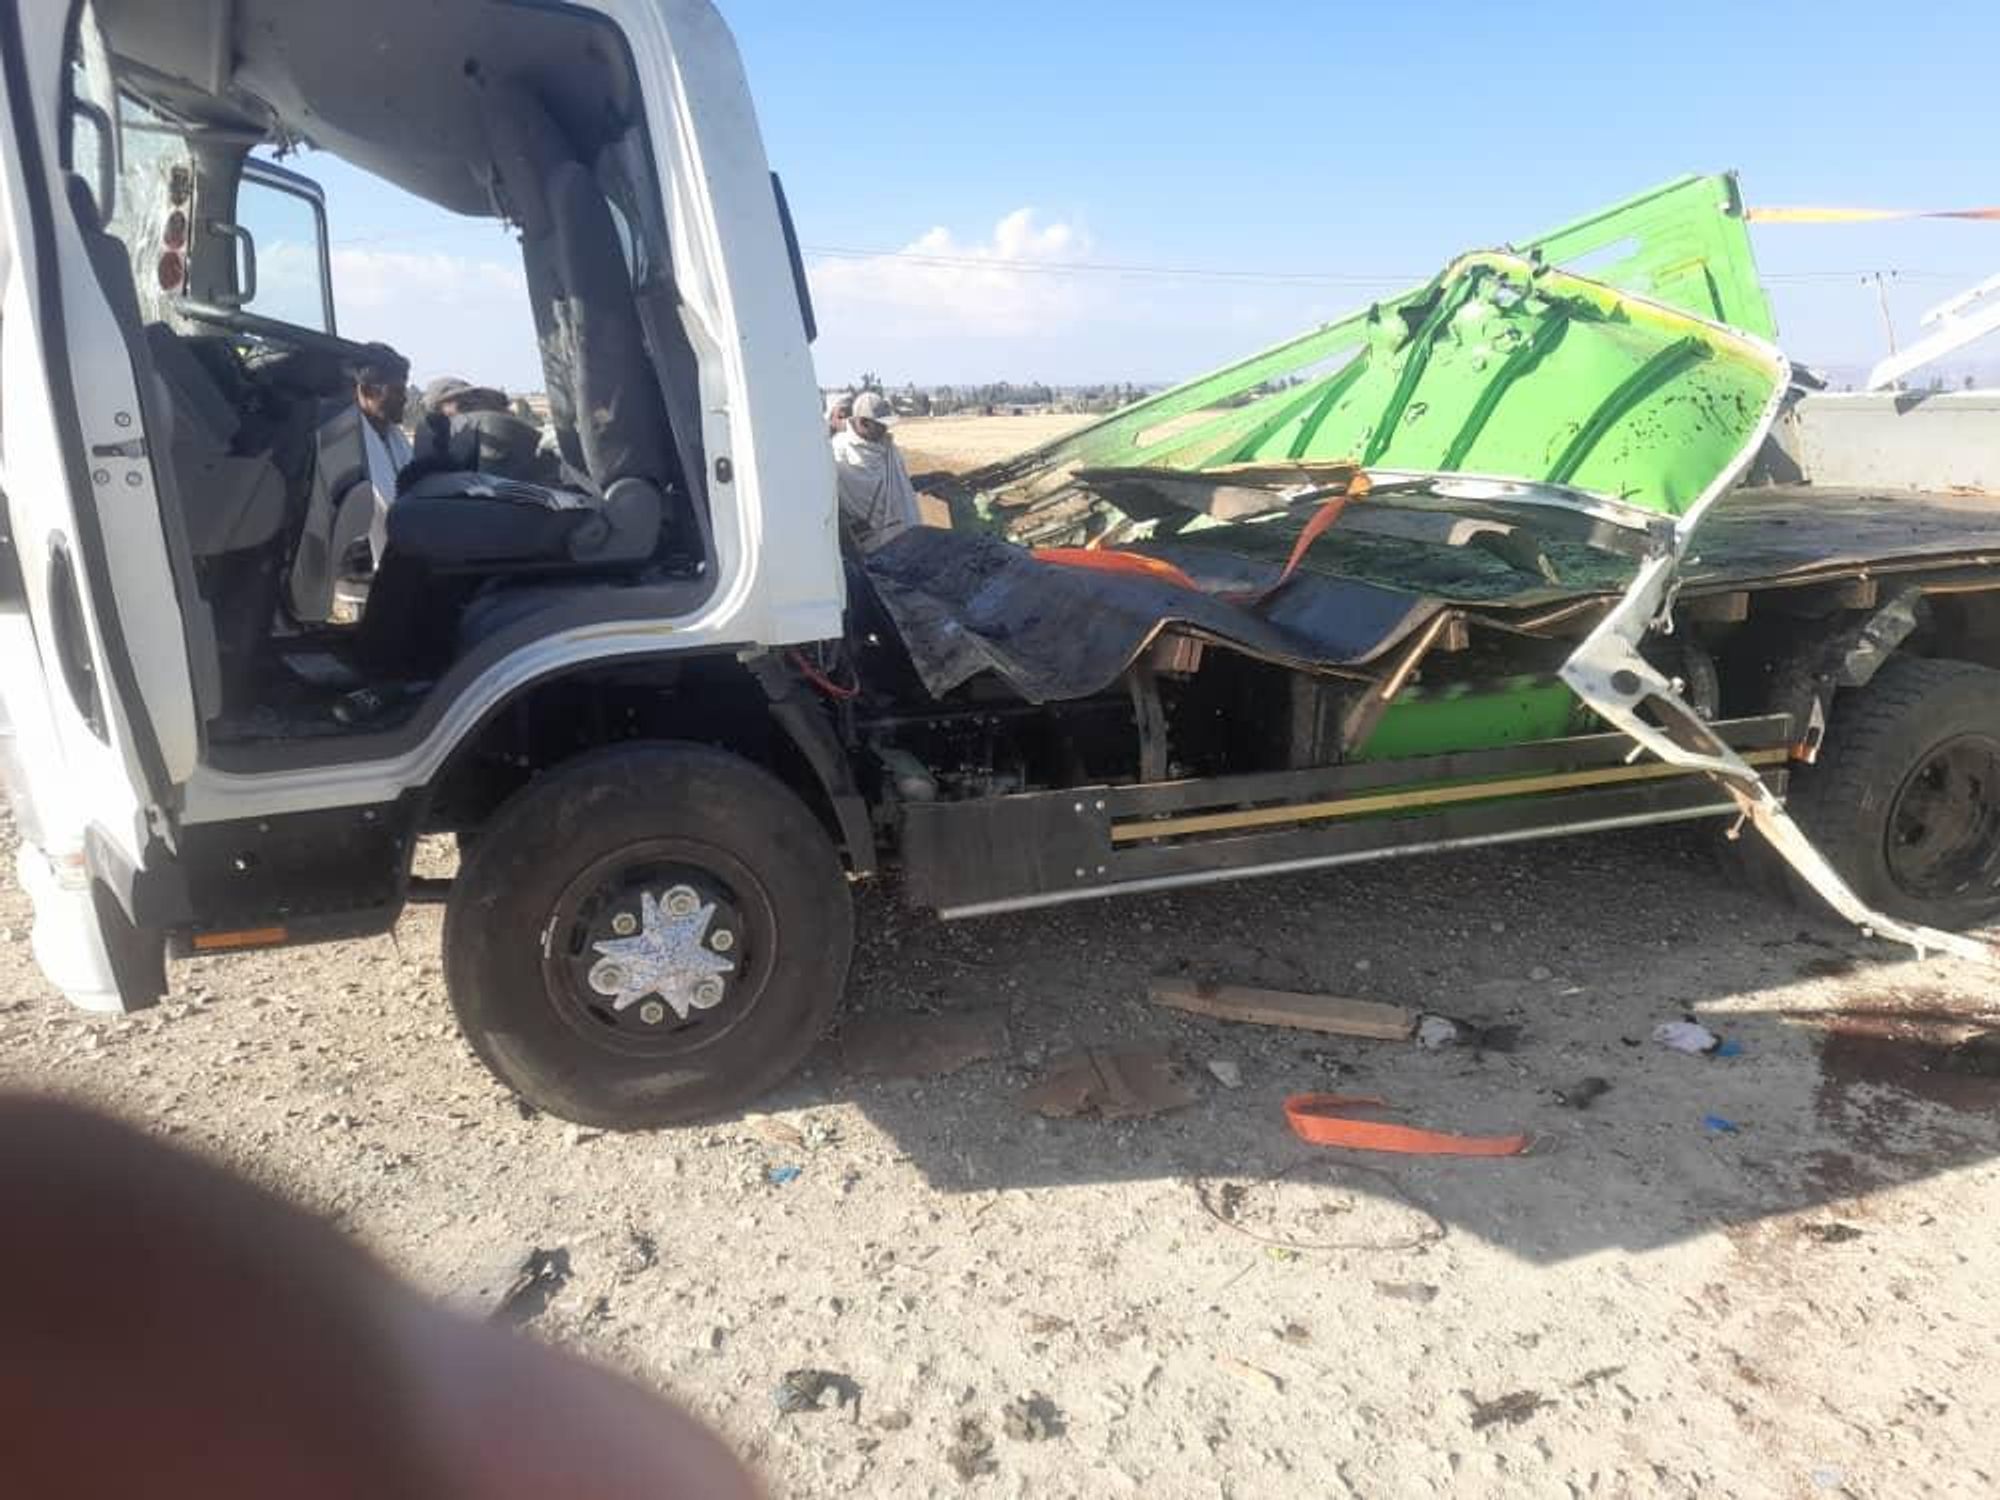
<point>1197,1303</point>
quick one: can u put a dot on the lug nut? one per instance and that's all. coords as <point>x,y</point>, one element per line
<point>707,993</point>
<point>652,1012</point>
<point>722,940</point>
<point>624,924</point>
<point>682,901</point>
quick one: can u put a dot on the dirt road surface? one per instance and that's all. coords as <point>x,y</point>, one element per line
<point>960,443</point>
<point>1803,1302</point>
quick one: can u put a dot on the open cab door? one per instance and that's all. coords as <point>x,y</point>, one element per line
<point>94,663</point>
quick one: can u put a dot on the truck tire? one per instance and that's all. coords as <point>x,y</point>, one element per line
<point>648,935</point>
<point>1905,799</point>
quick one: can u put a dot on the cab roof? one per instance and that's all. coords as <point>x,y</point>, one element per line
<point>392,86</point>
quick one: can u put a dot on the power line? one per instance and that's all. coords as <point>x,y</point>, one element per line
<point>1244,276</point>
<point>1869,274</point>
<point>1270,277</point>
<point>1106,268</point>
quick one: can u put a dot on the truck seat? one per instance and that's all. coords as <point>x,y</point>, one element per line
<point>451,532</point>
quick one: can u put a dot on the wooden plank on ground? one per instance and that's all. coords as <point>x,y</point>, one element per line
<point>1328,1013</point>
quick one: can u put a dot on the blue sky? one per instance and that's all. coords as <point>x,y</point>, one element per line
<point>1335,139</point>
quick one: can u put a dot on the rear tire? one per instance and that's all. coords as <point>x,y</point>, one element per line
<point>1905,798</point>
<point>663,862</point>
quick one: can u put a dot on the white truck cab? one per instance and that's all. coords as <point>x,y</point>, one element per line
<point>195,758</point>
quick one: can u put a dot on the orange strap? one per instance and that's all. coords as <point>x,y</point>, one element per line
<point>1318,1119</point>
<point>1104,560</point>
<point>1316,528</point>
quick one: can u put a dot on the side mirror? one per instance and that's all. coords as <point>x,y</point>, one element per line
<point>246,264</point>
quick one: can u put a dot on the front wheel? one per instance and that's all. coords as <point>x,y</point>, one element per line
<point>1905,799</point>
<point>648,935</point>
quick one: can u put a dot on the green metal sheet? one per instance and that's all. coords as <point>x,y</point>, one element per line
<point>1515,711</point>
<point>1485,368</point>
<point>1518,370</point>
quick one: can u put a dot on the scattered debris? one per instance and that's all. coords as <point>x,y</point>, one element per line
<point>1540,974</point>
<point>971,1452</point>
<point>1437,1032</point>
<point>1420,1292</point>
<point>1251,1374</point>
<point>819,1135</point>
<point>1327,1013</point>
<point>776,1132</point>
<point>540,1277</point>
<point>1827,966</point>
<point>1322,1120</point>
<point>1123,1085</point>
<point>1978,1055</point>
<point>908,1045</point>
<point>1330,1063</point>
<point>893,1421</point>
<point>1263,1211</point>
<point>1043,1324</point>
<point>1032,1418</point>
<point>1295,1334</point>
<point>780,1176</point>
<point>1583,1093</point>
<point>1514,1408</point>
<point>642,1250</point>
<point>576,1135</point>
<point>1831,1233</point>
<point>807,1390</point>
<point>1226,1073</point>
<point>1690,1037</point>
<point>1598,1376</point>
<point>1728,1047</point>
<point>1717,1125</point>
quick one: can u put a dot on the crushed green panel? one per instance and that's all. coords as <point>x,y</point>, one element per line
<point>1531,374</point>
<point>1510,368</point>
<point>1685,244</point>
<point>1437,722</point>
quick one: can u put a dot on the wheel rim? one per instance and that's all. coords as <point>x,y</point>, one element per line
<point>1944,824</point>
<point>659,949</point>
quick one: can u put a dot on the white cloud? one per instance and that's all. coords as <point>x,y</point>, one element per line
<point>947,309</point>
<point>940,287</point>
<point>449,314</point>
<point>367,280</point>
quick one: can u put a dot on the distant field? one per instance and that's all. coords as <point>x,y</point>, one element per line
<point>957,444</point>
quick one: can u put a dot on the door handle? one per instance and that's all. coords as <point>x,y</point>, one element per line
<point>71,637</point>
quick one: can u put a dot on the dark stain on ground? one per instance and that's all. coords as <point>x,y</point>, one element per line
<point>1908,1043</point>
<point>1882,1059</point>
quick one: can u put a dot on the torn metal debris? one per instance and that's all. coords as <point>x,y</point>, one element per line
<point>1514,453</point>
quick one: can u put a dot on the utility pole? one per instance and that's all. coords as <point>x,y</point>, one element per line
<point>1882,280</point>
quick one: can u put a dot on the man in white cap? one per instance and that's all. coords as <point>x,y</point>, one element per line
<point>877,500</point>
<point>839,406</point>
